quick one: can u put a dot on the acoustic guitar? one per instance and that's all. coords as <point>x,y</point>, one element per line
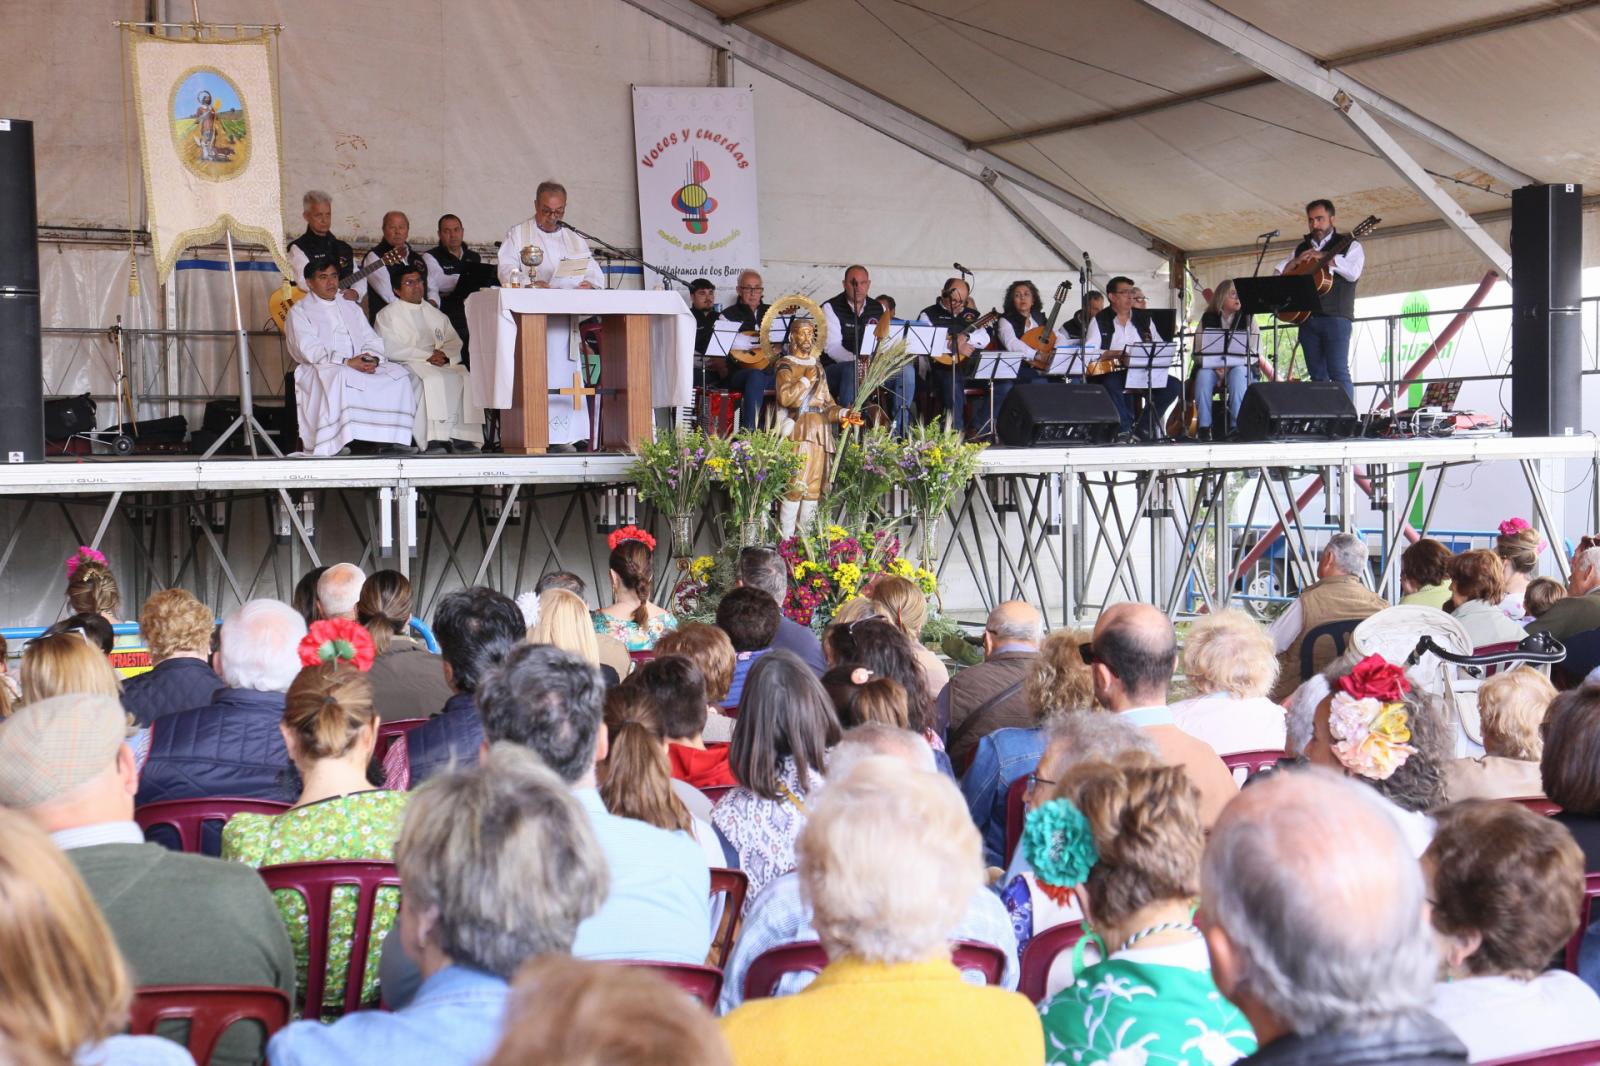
<point>1042,339</point>
<point>1321,267</point>
<point>279,303</point>
<point>950,358</point>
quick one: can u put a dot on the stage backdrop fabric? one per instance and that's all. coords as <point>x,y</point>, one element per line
<point>696,158</point>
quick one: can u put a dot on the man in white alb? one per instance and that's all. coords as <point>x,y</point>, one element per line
<point>344,389</point>
<point>559,246</point>
<point>420,336</point>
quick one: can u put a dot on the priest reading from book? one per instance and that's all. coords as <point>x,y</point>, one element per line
<point>344,389</point>
<point>419,337</point>
<point>567,262</point>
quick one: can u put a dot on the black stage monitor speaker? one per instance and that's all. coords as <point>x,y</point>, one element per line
<point>1546,327</point>
<point>1297,410</point>
<point>21,354</point>
<point>1055,413</point>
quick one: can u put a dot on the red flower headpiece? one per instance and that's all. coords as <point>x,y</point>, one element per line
<point>630,533</point>
<point>1376,678</point>
<point>337,640</point>
<point>84,554</point>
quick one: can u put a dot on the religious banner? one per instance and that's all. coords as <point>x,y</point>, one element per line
<point>208,137</point>
<point>696,149</point>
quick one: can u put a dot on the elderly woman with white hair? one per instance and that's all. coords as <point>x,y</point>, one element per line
<point>1231,665</point>
<point>1511,707</point>
<point>498,864</point>
<point>889,861</point>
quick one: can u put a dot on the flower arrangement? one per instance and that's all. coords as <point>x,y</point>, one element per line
<point>694,586</point>
<point>868,470</point>
<point>671,475</point>
<point>828,569</point>
<point>936,466</point>
<point>1512,526</point>
<point>1368,720</point>
<point>1059,842</point>
<point>337,640</point>
<point>84,554</point>
<point>756,469</point>
<point>630,533</point>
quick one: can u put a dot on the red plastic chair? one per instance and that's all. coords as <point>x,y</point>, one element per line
<point>732,886</point>
<point>315,882</point>
<point>807,956</point>
<point>1016,814</point>
<point>1539,805</point>
<point>1497,649</point>
<point>1591,889</point>
<point>188,817</point>
<point>210,1010</point>
<point>1570,1055</point>
<point>716,792</point>
<point>704,983</point>
<point>641,657</point>
<point>1252,763</point>
<point>389,732</point>
<point>1041,953</point>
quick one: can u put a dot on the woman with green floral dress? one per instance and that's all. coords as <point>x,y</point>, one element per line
<point>330,727</point>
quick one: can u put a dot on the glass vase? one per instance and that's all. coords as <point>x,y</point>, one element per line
<point>683,535</point>
<point>929,550</point>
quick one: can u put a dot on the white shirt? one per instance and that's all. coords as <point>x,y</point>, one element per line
<point>329,331</point>
<point>1123,334</point>
<point>1285,628</point>
<point>835,348</point>
<point>562,244</point>
<point>1347,265</point>
<point>88,836</point>
<point>298,261</point>
<point>1230,724</point>
<point>440,283</point>
<point>1009,339</point>
<point>1502,1017</point>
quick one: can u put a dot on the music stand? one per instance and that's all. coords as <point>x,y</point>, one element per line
<point>1277,295</point>
<point>1145,360</point>
<point>1221,350</point>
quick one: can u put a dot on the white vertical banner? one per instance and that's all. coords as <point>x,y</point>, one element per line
<point>697,181</point>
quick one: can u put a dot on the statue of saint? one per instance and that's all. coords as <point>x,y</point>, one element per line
<point>808,414</point>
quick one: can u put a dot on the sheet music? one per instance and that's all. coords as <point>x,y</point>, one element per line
<point>998,366</point>
<point>572,268</point>
<point>920,338</point>
<point>725,338</point>
<point>1070,358</point>
<point>1220,349</point>
<point>1148,364</point>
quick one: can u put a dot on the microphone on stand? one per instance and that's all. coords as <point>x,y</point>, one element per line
<point>962,269</point>
<point>1267,236</point>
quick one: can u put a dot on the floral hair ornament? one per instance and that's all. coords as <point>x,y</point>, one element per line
<point>337,640</point>
<point>860,675</point>
<point>1368,720</point>
<point>1512,526</point>
<point>1059,842</point>
<point>84,554</point>
<point>630,533</point>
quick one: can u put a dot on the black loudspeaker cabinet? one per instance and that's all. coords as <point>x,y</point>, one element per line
<point>1297,410</point>
<point>1546,331</point>
<point>21,354</point>
<point>1055,413</point>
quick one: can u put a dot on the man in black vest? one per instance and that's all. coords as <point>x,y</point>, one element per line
<point>318,242</point>
<point>851,317</point>
<point>752,383</point>
<point>1325,336</point>
<point>452,275</point>
<point>948,383</point>
<point>1112,331</point>
<point>703,306</point>
<point>396,235</point>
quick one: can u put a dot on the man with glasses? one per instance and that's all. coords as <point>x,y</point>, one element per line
<point>1115,329</point>
<point>752,382</point>
<point>420,336</point>
<point>986,697</point>
<point>546,231</point>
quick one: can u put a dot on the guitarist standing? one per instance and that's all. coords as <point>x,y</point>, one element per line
<point>948,383</point>
<point>318,242</point>
<point>1325,336</point>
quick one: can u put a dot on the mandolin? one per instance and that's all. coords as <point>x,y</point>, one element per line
<point>750,358</point>
<point>279,303</point>
<point>1321,266</point>
<point>949,358</point>
<point>1042,339</point>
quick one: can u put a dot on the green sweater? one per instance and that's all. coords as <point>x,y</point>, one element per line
<point>191,920</point>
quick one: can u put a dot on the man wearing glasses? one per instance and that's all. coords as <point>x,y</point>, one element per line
<point>748,311</point>
<point>546,232</point>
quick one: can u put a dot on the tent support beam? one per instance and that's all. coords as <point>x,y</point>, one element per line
<point>760,9</point>
<point>879,114</point>
<point>1031,217</point>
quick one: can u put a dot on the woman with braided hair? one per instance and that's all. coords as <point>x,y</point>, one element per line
<point>632,618</point>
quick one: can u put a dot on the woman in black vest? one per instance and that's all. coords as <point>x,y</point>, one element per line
<point>1222,312</point>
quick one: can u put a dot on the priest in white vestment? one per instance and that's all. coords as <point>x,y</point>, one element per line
<point>420,337</point>
<point>344,388</point>
<point>558,245</point>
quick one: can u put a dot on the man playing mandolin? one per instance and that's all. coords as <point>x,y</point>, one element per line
<point>947,380</point>
<point>1325,336</point>
<point>751,379</point>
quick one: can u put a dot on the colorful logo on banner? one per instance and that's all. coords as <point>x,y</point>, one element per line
<point>208,125</point>
<point>693,199</point>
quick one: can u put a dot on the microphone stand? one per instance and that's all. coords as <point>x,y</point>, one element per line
<point>666,273</point>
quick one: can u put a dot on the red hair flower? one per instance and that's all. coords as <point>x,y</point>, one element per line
<point>84,554</point>
<point>630,533</point>
<point>1376,678</point>
<point>337,640</point>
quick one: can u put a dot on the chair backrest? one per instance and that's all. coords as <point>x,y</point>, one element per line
<point>1569,1055</point>
<point>732,885</point>
<point>1246,764</point>
<point>1539,804</point>
<point>1040,954</point>
<point>704,983</point>
<point>807,956</point>
<point>716,792</point>
<point>641,657</point>
<point>1497,649</point>
<point>1338,632</point>
<point>209,1010</point>
<point>315,882</point>
<point>1016,814</point>
<point>389,732</point>
<point>188,817</point>
<point>984,958</point>
<point>1591,889</point>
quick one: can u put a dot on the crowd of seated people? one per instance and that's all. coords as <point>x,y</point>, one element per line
<point>1069,852</point>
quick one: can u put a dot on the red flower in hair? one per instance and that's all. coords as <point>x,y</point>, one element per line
<point>1376,678</point>
<point>337,640</point>
<point>630,533</point>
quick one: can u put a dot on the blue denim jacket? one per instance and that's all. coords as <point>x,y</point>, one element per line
<point>454,1020</point>
<point>1001,758</point>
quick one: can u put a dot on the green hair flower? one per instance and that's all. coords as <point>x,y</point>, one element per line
<point>1059,842</point>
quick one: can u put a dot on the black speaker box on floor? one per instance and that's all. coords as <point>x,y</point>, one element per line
<point>1297,410</point>
<point>1055,413</point>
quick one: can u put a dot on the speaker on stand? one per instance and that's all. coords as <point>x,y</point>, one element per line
<point>21,346</point>
<point>1546,319</point>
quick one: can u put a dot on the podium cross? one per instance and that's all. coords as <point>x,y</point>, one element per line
<point>578,392</point>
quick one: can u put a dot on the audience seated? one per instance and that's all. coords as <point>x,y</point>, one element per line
<point>92,628</point>
<point>10,691</point>
<point>564,623</point>
<point>907,608</point>
<point>764,569</point>
<point>92,587</point>
<point>1578,611</point>
<point>232,746</point>
<point>498,865</point>
<point>674,685</point>
<point>176,628</point>
<point>780,742</point>
<point>860,696</point>
<point>1511,708</point>
<point>872,641</point>
<point>568,1012</point>
<point>1540,595</point>
<point>330,727</point>
<point>475,628</point>
<point>407,679</point>
<point>889,992</point>
<point>750,618</point>
<point>1425,574</point>
<point>1519,547</point>
<point>712,654</point>
<point>612,651</point>
<point>1506,893</point>
<point>632,618</point>
<point>339,591</point>
<point>58,664</point>
<point>1131,658</point>
<point>66,990</point>
<point>304,599</point>
<point>178,919</point>
<point>1338,595</point>
<point>1476,592</point>
<point>1315,914</point>
<point>1569,767</point>
<point>1059,683</point>
<point>986,697</point>
<point>1125,836</point>
<point>780,915</point>
<point>1230,664</point>
<point>836,643</point>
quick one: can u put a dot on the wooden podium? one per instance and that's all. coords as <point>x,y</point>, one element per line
<point>625,413</point>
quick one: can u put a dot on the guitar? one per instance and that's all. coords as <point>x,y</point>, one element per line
<point>750,358</point>
<point>1042,339</point>
<point>950,358</point>
<point>279,303</point>
<point>1320,267</point>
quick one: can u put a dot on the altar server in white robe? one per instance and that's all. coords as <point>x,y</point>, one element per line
<point>344,388</point>
<point>558,244</point>
<point>419,336</point>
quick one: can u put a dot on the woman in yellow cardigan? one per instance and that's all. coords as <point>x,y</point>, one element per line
<point>889,860</point>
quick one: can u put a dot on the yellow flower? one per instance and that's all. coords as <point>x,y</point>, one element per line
<point>717,465</point>
<point>836,533</point>
<point>700,568</point>
<point>805,569</point>
<point>926,581</point>
<point>902,567</point>
<point>935,455</point>
<point>848,578</point>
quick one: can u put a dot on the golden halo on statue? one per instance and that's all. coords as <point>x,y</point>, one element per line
<point>796,302</point>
